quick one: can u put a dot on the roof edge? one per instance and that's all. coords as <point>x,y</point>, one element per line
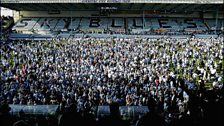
<point>118,1</point>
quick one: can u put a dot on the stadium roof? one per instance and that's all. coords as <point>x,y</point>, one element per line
<point>115,1</point>
<point>126,5</point>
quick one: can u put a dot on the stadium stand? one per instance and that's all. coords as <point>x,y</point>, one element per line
<point>116,25</point>
<point>6,23</point>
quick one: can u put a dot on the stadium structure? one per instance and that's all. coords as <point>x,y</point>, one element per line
<point>67,18</point>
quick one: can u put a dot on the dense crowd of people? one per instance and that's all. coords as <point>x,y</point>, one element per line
<point>169,75</point>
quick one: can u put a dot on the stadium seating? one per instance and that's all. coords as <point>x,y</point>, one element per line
<point>211,24</point>
<point>25,24</point>
<point>135,23</point>
<point>75,22</point>
<point>114,25</point>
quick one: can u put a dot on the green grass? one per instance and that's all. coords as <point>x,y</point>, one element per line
<point>208,84</point>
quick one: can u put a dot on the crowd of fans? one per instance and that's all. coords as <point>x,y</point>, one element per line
<point>168,75</point>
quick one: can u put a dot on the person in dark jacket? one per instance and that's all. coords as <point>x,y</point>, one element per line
<point>152,117</point>
<point>114,118</point>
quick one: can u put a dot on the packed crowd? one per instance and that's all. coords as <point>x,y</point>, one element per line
<point>94,71</point>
